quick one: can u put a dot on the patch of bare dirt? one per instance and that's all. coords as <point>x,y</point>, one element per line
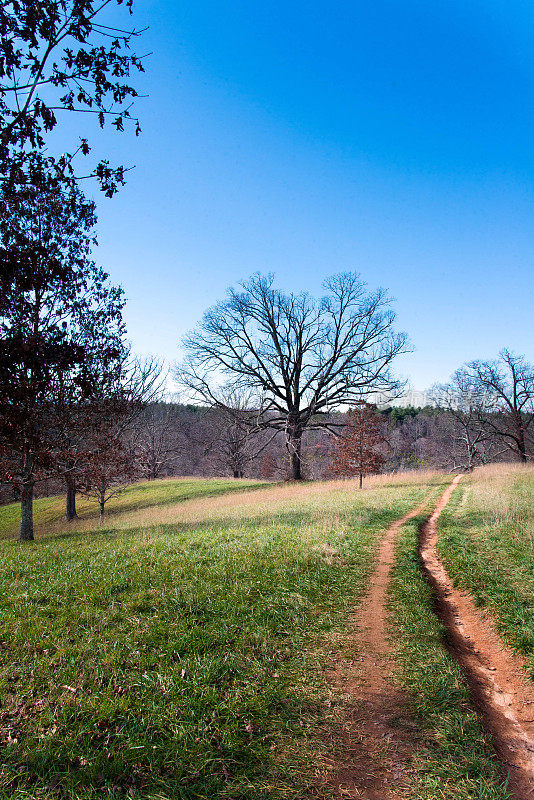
<point>374,750</point>
<point>497,676</point>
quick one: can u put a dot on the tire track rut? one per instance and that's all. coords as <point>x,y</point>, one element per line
<point>497,676</point>
<point>378,738</point>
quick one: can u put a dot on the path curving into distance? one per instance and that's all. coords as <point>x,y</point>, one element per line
<point>377,740</point>
<point>497,676</point>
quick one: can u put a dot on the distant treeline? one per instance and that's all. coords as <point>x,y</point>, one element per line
<point>173,439</point>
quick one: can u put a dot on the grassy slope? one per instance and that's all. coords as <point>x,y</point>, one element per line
<point>51,510</point>
<point>487,545</point>
<point>181,660</point>
<point>455,760</point>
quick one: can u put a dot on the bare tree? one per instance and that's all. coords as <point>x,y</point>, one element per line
<point>463,401</point>
<point>158,440</point>
<point>237,439</point>
<point>506,390</point>
<point>301,357</point>
<point>106,465</point>
<point>106,461</point>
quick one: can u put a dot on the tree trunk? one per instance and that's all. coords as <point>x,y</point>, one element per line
<point>522,447</point>
<point>294,445</point>
<point>70,508</point>
<point>361,479</point>
<point>520,437</point>
<point>236,473</point>
<point>102,503</point>
<point>26,512</point>
<point>473,455</point>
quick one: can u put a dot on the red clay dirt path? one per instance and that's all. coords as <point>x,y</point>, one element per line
<point>497,676</point>
<point>374,752</point>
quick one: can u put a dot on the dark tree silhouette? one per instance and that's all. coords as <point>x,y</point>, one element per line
<point>58,317</point>
<point>356,452</point>
<point>59,56</point>
<point>60,327</point>
<point>301,357</point>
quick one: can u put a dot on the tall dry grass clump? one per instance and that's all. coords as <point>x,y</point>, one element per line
<point>504,493</point>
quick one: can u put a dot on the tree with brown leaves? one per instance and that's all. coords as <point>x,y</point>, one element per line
<point>356,452</point>
<point>60,328</point>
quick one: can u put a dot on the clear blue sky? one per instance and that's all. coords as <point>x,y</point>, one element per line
<point>394,137</point>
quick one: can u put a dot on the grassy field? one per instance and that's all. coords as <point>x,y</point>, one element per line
<point>487,544</point>
<point>150,494</point>
<point>177,651</point>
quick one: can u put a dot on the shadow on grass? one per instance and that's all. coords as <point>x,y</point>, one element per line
<point>53,517</point>
<point>141,503</point>
<point>291,519</point>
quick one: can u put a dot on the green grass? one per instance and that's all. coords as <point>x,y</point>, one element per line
<point>139,495</point>
<point>455,760</point>
<point>182,660</point>
<point>487,546</point>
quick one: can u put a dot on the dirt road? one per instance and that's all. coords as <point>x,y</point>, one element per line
<point>497,676</point>
<point>377,739</point>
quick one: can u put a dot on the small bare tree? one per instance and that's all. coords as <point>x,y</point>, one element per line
<point>157,440</point>
<point>300,357</point>
<point>237,438</point>
<point>107,462</point>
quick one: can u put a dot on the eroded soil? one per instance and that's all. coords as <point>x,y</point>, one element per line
<point>378,737</point>
<point>497,676</point>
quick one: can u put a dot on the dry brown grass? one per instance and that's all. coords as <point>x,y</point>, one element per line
<point>497,471</point>
<point>318,496</point>
<point>491,490</point>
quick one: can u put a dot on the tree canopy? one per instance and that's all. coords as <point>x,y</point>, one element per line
<point>302,357</point>
<point>59,56</point>
<point>60,326</point>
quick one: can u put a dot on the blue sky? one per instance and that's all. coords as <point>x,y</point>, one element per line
<point>308,138</point>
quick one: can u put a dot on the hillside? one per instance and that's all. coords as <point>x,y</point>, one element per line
<point>203,643</point>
